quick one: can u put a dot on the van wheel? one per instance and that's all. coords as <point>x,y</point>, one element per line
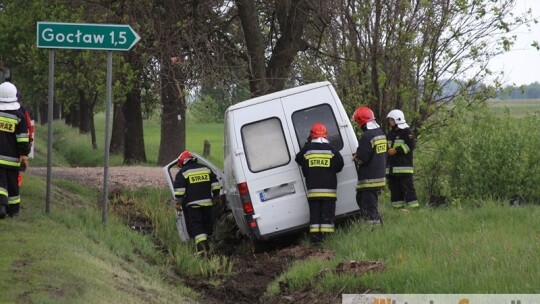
<point>258,246</point>
<point>226,234</point>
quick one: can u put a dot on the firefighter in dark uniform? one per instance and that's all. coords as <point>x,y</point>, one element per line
<point>370,159</point>
<point>196,190</point>
<point>320,163</point>
<point>399,169</point>
<point>14,149</point>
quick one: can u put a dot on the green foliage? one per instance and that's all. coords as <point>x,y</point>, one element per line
<point>206,109</point>
<point>480,154</point>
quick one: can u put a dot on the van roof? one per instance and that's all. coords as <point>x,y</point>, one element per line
<point>278,94</point>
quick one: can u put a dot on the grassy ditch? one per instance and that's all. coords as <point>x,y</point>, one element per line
<point>68,256</point>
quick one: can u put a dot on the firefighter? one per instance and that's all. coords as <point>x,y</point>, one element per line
<point>320,163</point>
<point>399,169</point>
<point>370,160</point>
<point>31,129</point>
<point>196,190</point>
<point>14,149</point>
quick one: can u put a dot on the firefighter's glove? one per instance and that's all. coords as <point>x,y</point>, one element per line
<point>178,206</point>
<point>392,151</point>
<point>24,163</point>
<point>216,200</point>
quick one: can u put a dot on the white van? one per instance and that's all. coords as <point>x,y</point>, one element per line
<point>262,183</point>
<point>264,186</point>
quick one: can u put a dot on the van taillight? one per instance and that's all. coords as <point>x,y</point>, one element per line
<point>245,198</point>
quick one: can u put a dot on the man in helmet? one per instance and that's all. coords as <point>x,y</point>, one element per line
<point>320,163</point>
<point>399,169</point>
<point>196,190</point>
<point>14,149</point>
<point>370,159</point>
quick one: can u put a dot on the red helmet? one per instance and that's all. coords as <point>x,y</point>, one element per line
<point>363,115</point>
<point>318,130</point>
<point>184,158</point>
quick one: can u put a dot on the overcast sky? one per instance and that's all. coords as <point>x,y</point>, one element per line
<point>522,64</point>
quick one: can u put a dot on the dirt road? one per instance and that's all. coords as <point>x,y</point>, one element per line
<point>131,177</point>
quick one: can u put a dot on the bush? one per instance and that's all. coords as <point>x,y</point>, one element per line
<point>479,154</point>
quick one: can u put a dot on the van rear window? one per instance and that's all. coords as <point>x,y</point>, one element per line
<point>305,118</point>
<point>265,145</point>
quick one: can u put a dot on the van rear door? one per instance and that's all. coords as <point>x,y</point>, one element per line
<point>264,146</point>
<point>323,105</point>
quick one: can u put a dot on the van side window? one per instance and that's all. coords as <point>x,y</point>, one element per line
<point>305,118</point>
<point>265,145</point>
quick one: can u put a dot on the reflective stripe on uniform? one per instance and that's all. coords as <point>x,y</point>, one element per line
<point>318,154</point>
<point>196,171</point>
<point>401,143</point>
<point>327,228</point>
<point>12,200</point>
<point>23,137</point>
<point>203,203</point>
<point>3,192</point>
<point>377,140</point>
<point>371,183</point>
<point>215,186</point>
<point>398,204</point>
<point>179,191</point>
<point>313,193</point>
<point>9,161</point>
<point>314,228</point>
<point>200,237</point>
<point>402,170</point>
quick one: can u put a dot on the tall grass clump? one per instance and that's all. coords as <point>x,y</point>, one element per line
<point>156,206</point>
<point>477,154</point>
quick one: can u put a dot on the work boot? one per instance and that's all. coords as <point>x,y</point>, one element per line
<point>203,248</point>
<point>3,211</point>
<point>13,210</point>
<point>315,238</point>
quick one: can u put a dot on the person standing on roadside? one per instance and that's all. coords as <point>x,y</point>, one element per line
<point>370,160</point>
<point>320,163</point>
<point>31,130</point>
<point>196,190</point>
<point>14,149</point>
<point>400,170</point>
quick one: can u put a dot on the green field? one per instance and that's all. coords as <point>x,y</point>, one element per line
<point>517,107</point>
<point>72,148</point>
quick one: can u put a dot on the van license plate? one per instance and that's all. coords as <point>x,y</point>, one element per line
<point>275,192</point>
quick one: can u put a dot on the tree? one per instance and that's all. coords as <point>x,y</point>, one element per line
<point>401,53</point>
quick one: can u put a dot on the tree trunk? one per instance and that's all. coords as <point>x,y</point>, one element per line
<point>173,120</point>
<point>118,130</point>
<point>133,136</point>
<point>84,114</point>
<point>91,106</point>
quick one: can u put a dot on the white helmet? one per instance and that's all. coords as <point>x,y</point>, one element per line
<point>399,118</point>
<point>8,97</point>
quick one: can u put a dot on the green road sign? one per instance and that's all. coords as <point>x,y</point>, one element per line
<point>86,36</point>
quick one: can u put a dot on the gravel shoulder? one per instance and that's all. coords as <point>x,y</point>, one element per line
<point>128,177</point>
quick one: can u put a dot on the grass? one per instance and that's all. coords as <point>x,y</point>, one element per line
<point>517,107</point>
<point>68,256</point>
<point>492,249</point>
<point>477,250</point>
<point>74,149</point>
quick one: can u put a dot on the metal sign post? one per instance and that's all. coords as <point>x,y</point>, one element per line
<point>85,36</point>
